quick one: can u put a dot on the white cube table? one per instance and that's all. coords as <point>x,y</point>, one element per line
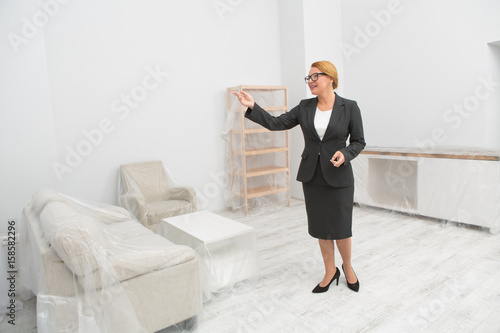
<point>227,249</point>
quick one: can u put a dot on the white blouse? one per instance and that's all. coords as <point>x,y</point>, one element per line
<point>321,120</point>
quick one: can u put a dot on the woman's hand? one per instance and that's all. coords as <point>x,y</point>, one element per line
<point>245,99</point>
<point>338,159</point>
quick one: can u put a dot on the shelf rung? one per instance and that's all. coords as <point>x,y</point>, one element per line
<point>250,152</point>
<point>252,131</point>
<point>267,108</point>
<point>264,190</point>
<point>247,87</point>
<point>263,171</point>
<point>256,130</point>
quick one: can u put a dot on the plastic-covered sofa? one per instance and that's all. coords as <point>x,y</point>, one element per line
<point>95,268</point>
<point>147,191</point>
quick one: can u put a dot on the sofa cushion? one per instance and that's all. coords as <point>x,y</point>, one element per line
<point>112,251</point>
<point>75,237</point>
<point>78,247</point>
<point>108,214</point>
<point>146,253</point>
<point>44,196</point>
<point>137,256</point>
<point>127,229</point>
<point>58,215</point>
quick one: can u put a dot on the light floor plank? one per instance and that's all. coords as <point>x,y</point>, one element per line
<point>416,275</point>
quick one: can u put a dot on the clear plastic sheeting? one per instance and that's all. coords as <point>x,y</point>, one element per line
<point>451,184</point>
<point>151,194</point>
<point>226,249</point>
<point>257,160</point>
<point>95,268</point>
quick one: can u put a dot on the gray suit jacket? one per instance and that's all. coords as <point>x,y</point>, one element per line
<point>345,122</point>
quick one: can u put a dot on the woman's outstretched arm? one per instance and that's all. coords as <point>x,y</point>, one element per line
<point>257,114</point>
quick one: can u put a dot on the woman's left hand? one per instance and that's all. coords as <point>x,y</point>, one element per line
<point>338,159</point>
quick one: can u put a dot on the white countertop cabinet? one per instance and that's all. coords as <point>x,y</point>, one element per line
<point>451,185</point>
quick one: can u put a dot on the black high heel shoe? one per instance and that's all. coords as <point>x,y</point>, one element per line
<point>352,286</point>
<point>319,289</point>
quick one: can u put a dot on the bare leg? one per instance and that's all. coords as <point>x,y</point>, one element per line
<point>344,246</point>
<point>328,252</point>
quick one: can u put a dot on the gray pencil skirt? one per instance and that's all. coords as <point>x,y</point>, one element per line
<point>329,209</point>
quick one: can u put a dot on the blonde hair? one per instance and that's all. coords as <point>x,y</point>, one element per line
<point>329,69</point>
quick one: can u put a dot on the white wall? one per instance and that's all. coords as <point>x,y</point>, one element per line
<point>323,34</point>
<point>493,104</point>
<point>292,73</point>
<point>27,140</point>
<point>70,78</point>
<point>411,71</point>
<point>310,31</point>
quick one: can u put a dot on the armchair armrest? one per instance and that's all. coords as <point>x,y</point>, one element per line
<point>186,193</point>
<point>135,205</point>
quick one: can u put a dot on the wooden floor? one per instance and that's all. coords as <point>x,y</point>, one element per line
<point>416,275</point>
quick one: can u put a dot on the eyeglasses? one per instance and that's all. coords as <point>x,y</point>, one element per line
<point>313,77</point>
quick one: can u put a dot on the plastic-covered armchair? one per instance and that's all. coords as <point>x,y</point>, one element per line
<point>146,190</point>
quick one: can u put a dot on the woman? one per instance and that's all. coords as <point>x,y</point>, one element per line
<point>325,169</point>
